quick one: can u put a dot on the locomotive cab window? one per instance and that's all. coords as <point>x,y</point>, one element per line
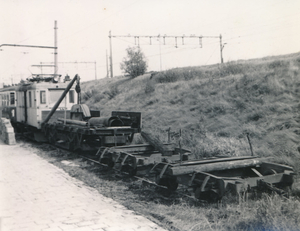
<point>43,97</point>
<point>12,98</point>
<point>55,94</point>
<point>71,96</point>
<point>2,100</point>
<point>5,99</point>
<point>29,99</point>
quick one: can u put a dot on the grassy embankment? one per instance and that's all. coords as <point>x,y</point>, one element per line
<point>216,106</point>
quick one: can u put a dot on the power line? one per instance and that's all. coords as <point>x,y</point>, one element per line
<point>159,37</point>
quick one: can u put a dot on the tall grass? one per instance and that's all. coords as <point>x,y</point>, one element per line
<point>215,106</point>
<point>267,212</point>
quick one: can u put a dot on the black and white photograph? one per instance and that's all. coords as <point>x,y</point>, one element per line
<point>149,115</point>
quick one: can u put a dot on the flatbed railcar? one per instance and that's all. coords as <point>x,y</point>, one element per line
<point>204,179</point>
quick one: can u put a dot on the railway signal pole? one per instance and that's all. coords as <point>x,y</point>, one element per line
<point>110,57</point>
<point>107,74</point>
<point>222,45</point>
<point>55,49</point>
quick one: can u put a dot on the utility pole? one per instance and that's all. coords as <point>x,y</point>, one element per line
<point>160,54</point>
<point>55,49</point>
<point>111,63</point>
<point>221,48</point>
<point>107,71</point>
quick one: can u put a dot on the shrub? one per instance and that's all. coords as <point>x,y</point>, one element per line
<point>168,76</point>
<point>135,63</point>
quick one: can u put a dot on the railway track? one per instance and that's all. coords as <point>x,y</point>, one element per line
<point>145,181</point>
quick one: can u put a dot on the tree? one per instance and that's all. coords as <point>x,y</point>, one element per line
<point>134,63</point>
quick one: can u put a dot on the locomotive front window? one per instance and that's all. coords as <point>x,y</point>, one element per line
<point>55,95</point>
<point>43,97</point>
<point>12,98</point>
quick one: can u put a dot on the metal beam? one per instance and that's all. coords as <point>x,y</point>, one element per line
<point>16,45</point>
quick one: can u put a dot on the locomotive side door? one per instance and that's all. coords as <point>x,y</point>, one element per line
<point>21,106</point>
<point>31,106</point>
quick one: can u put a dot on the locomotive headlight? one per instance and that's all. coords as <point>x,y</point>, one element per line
<point>55,79</point>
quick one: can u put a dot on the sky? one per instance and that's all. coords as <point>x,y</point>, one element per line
<point>249,29</point>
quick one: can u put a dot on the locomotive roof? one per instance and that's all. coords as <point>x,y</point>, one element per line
<point>13,88</point>
<point>42,85</point>
<point>35,85</point>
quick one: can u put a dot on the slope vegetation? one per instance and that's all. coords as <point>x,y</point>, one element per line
<point>215,107</point>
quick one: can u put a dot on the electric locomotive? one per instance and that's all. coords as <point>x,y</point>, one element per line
<point>46,109</point>
<point>27,105</point>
